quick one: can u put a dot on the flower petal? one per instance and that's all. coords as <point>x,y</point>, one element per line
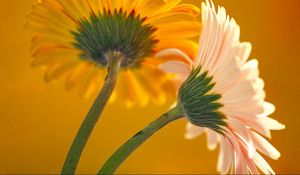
<point>225,156</point>
<point>212,139</point>
<point>271,123</point>
<point>243,132</point>
<point>193,131</point>
<point>262,164</point>
<point>176,67</point>
<point>264,146</point>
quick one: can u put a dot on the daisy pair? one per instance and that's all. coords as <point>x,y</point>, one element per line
<point>145,43</point>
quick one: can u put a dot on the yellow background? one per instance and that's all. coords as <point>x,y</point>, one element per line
<point>38,121</point>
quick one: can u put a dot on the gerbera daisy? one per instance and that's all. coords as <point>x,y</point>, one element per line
<point>224,96</point>
<point>72,39</point>
<point>83,39</point>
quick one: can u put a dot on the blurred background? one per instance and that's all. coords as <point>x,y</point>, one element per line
<point>38,121</point>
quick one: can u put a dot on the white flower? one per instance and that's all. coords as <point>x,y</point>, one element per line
<point>237,81</point>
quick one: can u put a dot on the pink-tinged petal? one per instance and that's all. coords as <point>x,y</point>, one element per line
<point>269,108</point>
<point>271,123</point>
<point>176,67</point>
<point>227,79</point>
<point>243,112</point>
<point>242,92</point>
<point>225,156</point>
<point>244,51</point>
<point>260,128</point>
<point>212,139</point>
<point>243,132</point>
<point>240,164</point>
<point>262,164</point>
<point>241,167</point>
<point>264,146</point>
<point>193,131</point>
<point>213,33</point>
<point>258,84</point>
<point>255,124</point>
<point>234,60</point>
<point>174,52</point>
<point>250,163</point>
<point>227,75</point>
<point>220,35</point>
<point>252,167</point>
<point>251,67</point>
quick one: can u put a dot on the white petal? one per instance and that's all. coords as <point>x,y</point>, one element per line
<point>193,131</point>
<point>269,108</point>
<point>242,92</point>
<point>262,164</point>
<point>243,112</point>
<point>212,139</point>
<point>244,134</point>
<point>271,123</point>
<point>217,37</point>
<point>252,167</point>
<point>252,67</point>
<point>229,75</point>
<point>256,124</point>
<point>264,146</point>
<point>175,52</point>
<point>175,67</point>
<point>225,156</point>
<point>244,51</point>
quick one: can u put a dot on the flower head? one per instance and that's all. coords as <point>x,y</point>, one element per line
<point>72,39</point>
<point>200,106</point>
<point>235,114</point>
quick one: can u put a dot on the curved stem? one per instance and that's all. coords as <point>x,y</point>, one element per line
<point>87,126</point>
<point>111,165</point>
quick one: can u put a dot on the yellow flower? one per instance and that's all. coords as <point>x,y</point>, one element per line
<point>71,38</point>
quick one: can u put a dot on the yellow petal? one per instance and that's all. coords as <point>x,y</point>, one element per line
<point>178,30</point>
<point>136,92</point>
<point>92,82</point>
<point>77,75</point>
<point>150,81</point>
<point>122,91</point>
<point>60,69</point>
<point>49,55</point>
<point>70,9</point>
<point>170,4</point>
<point>149,8</point>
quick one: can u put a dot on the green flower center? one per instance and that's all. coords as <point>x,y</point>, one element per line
<point>199,105</point>
<point>115,32</point>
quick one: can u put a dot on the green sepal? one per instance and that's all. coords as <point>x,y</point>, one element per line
<point>114,31</point>
<point>200,105</point>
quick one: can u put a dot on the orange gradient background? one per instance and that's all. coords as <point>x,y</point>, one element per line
<point>38,121</point>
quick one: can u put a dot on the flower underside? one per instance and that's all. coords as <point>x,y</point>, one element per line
<point>115,32</point>
<point>200,106</point>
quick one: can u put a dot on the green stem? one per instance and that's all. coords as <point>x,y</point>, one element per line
<point>87,126</point>
<point>111,165</point>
